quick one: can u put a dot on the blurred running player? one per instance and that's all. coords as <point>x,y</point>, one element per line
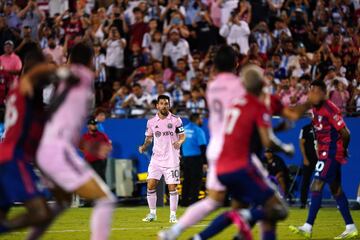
<point>333,138</point>
<point>24,122</point>
<point>167,132</point>
<point>220,93</point>
<point>57,154</point>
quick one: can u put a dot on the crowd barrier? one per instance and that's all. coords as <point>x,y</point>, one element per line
<point>128,134</point>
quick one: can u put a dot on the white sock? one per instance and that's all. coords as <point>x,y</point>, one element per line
<point>307,227</point>
<point>172,213</point>
<point>350,227</point>
<point>358,199</point>
<point>153,211</point>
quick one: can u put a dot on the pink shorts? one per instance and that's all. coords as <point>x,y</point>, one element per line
<point>171,175</point>
<point>212,181</point>
<point>60,162</point>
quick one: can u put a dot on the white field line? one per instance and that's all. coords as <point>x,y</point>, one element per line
<point>113,229</point>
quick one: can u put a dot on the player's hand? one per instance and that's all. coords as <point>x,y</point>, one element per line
<point>177,144</point>
<point>142,149</point>
<point>288,149</point>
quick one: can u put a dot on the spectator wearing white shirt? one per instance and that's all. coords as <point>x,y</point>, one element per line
<point>197,103</point>
<point>281,28</point>
<point>138,101</point>
<point>153,41</point>
<point>263,37</point>
<point>115,47</point>
<point>236,31</point>
<point>176,48</point>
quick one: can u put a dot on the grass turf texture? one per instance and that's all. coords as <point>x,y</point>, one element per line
<point>74,225</point>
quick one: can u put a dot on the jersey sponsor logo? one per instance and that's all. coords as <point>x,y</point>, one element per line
<point>170,126</point>
<point>157,134</point>
<point>168,133</point>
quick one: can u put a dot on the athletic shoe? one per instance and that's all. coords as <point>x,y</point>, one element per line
<point>352,234</point>
<point>300,231</point>
<point>173,219</point>
<point>149,218</point>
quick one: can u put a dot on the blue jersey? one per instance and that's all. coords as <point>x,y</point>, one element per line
<point>195,137</point>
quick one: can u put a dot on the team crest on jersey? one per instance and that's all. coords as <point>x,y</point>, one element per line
<point>170,125</point>
<point>157,134</point>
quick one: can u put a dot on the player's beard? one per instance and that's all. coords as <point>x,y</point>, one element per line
<point>164,112</point>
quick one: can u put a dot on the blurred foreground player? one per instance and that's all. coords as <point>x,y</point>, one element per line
<point>220,93</point>
<point>333,139</point>
<point>24,122</point>
<point>167,132</point>
<point>57,156</point>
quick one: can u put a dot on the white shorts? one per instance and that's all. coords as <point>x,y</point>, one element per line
<point>171,175</point>
<point>60,163</point>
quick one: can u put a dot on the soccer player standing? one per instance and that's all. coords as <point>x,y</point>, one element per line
<point>333,139</point>
<point>167,132</point>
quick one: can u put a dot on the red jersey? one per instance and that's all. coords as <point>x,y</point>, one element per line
<point>243,118</point>
<point>24,124</point>
<point>327,121</point>
<point>276,106</point>
<point>92,139</point>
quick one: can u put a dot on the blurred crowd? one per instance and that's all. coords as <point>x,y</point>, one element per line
<point>147,48</point>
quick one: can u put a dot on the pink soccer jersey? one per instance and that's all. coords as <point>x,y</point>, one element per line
<point>165,133</point>
<point>68,120</point>
<point>220,94</point>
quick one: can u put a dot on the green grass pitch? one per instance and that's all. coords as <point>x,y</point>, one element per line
<point>127,225</point>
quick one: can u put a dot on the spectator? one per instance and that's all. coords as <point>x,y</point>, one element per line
<point>139,28</point>
<point>116,102</point>
<point>161,90</point>
<point>236,31</point>
<point>197,103</point>
<point>194,157</point>
<point>263,38</point>
<point>204,31</point>
<point>54,52</point>
<point>27,44</point>
<point>12,19</point>
<point>5,33</point>
<point>100,117</point>
<point>339,96</point>
<point>96,147</point>
<point>153,41</point>
<point>31,16</point>
<point>138,101</point>
<point>100,72</point>
<point>278,169</point>
<point>115,47</point>
<point>9,61</point>
<point>176,48</point>
<point>281,29</point>
<point>309,155</point>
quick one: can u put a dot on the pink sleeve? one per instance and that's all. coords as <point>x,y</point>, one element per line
<point>18,65</point>
<point>148,131</point>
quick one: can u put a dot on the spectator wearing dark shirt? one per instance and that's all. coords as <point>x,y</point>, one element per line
<point>96,146</point>
<point>308,152</point>
<point>278,169</point>
<point>139,28</point>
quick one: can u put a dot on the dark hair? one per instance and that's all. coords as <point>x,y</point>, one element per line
<point>2,115</point>
<point>194,117</point>
<point>137,9</point>
<point>81,53</point>
<point>164,97</point>
<point>225,59</point>
<point>33,58</point>
<point>136,85</point>
<point>320,84</point>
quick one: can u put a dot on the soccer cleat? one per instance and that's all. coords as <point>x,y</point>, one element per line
<point>166,235</point>
<point>173,219</point>
<point>353,234</point>
<point>149,218</point>
<point>300,231</point>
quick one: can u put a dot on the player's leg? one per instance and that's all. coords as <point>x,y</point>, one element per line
<point>172,179</point>
<point>343,205</point>
<point>104,204</point>
<point>199,210</point>
<point>154,175</point>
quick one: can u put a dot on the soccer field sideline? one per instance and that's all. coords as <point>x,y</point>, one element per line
<point>74,225</point>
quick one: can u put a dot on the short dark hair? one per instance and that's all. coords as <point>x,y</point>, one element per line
<point>164,97</point>
<point>194,117</point>
<point>137,9</point>
<point>136,85</point>
<point>320,84</point>
<point>225,59</point>
<point>81,53</point>
<point>33,58</point>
